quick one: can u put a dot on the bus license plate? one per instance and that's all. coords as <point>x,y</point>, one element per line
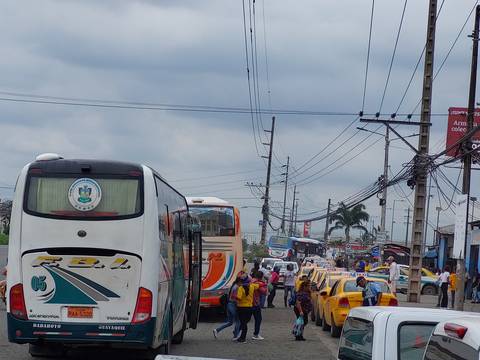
<point>80,312</point>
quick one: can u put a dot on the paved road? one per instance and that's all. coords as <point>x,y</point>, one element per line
<point>278,343</point>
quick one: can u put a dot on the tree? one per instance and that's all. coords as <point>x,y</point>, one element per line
<point>5,215</point>
<point>348,219</point>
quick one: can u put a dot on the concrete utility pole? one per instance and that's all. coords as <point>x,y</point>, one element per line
<point>393,218</point>
<point>296,217</point>
<point>265,209</point>
<point>285,194</point>
<point>325,234</point>
<point>408,224</point>
<point>292,211</point>
<point>385,181</point>
<point>418,225</point>
<point>467,160</point>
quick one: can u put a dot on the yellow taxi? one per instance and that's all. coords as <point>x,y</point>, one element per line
<point>328,279</point>
<point>316,278</point>
<point>345,295</point>
<point>306,270</point>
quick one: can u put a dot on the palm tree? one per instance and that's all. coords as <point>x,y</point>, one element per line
<point>347,219</point>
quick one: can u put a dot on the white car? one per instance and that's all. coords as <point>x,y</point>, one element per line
<point>267,263</point>
<point>456,339</point>
<point>391,333</point>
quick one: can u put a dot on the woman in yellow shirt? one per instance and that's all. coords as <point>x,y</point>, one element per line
<point>453,286</point>
<point>244,307</point>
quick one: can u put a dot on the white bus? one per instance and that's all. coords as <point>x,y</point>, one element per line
<point>222,257</point>
<point>100,252</point>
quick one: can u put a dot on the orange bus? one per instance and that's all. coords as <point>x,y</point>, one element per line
<point>222,254</point>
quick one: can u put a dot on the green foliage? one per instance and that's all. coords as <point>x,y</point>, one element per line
<point>254,251</point>
<point>348,219</point>
<point>3,239</point>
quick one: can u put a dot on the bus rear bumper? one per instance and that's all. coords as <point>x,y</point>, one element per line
<point>213,298</point>
<point>31,331</point>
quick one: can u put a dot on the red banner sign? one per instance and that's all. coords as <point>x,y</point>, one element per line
<point>306,228</point>
<point>457,127</point>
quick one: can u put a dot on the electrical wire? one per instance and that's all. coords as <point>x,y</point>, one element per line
<point>368,55</point>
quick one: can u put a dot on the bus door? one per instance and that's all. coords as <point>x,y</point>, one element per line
<point>195,275</point>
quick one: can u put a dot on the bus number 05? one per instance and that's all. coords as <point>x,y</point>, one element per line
<point>38,283</point>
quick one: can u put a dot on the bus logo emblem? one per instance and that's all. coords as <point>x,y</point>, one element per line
<point>84,194</point>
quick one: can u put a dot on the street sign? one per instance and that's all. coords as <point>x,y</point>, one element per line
<point>306,228</point>
<point>461,213</point>
<point>457,127</point>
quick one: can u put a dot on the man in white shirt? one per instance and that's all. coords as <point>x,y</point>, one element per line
<point>289,284</point>
<point>394,274</point>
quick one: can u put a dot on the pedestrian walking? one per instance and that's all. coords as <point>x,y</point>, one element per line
<point>288,284</point>
<point>303,305</point>
<point>444,280</point>
<point>394,274</point>
<point>245,294</point>
<point>256,267</point>
<point>453,286</point>
<point>371,293</point>
<point>232,316</point>
<point>257,308</point>
<point>272,286</point>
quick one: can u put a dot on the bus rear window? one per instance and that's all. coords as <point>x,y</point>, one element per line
<point>84,198</point>
<point>215,220</point>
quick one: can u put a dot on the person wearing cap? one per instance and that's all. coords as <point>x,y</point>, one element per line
<point>371,292</point>
<point>394,274</point>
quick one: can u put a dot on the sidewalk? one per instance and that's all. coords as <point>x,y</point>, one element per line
<point>428,301</point>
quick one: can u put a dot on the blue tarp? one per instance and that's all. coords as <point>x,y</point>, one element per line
<point>431,254</point>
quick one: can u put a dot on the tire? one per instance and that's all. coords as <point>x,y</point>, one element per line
<point>325,326</point>
<point>48,351</point>
<point>165,348</point>
<point>318,320</point>
<point>429,290</point>
<point>178,337</point>
<point>335,331</point>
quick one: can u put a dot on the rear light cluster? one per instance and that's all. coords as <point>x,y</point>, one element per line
<point>17,302</point>
<point>455,330</point>
<point>143,309</point>
<point>393,302</point>
<point>344,303</point>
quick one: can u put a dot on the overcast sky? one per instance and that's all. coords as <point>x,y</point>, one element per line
<point>193,53</point>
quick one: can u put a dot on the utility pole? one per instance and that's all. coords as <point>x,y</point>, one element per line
<point>265,209</point>
<point>393,218</point>
<point>467,160</point>
<point>325,234</point>
<point>296,217</point>
<point>385,182</point>
<point>438,208</point>
<point>408,224</point>
<point>428,211</point>
<point>292,211</point>
<point>414,279</point>
<point>285,194</point>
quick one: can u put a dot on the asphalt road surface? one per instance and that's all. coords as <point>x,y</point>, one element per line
<point>276,328</point>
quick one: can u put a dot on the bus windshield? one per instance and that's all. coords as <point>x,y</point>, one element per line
<point>83,198</point>
<point>278,241</point>
<point>215,220</point>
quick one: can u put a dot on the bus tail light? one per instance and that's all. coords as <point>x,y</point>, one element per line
<point>17,302</point>
<point>455,330</point>
<point>393,302</point>
<point>143,309</point>
<point>343,303</point>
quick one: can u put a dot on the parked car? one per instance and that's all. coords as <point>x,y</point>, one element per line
<point>429,280</point>
<point>326,284</point>
<point>455,339</point>
<point>391,333</point>
<point>346,295</point>
<point>283,267</point>
<point>267,263</point>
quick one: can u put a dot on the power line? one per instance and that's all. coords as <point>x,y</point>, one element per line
<point>393,55</point>
<point>368,55</point>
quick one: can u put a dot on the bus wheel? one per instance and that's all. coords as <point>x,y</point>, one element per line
<point>44,350</point>
<point>178,337</point>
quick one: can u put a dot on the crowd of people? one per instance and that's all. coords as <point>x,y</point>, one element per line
<point>251,293</point>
